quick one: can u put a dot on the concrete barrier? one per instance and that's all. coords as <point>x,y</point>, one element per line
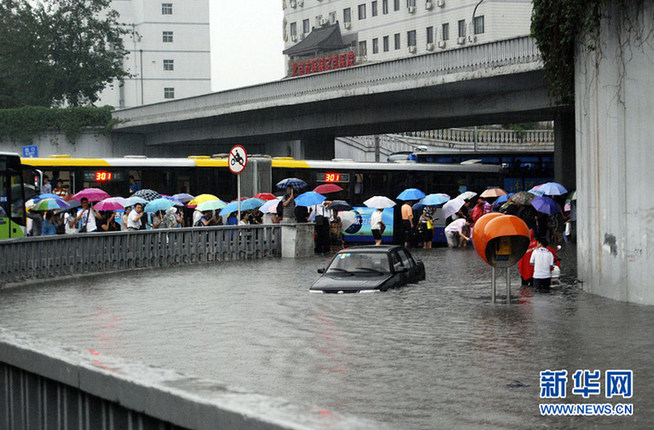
<point>44,386</point>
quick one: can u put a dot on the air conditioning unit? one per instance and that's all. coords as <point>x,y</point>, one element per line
<point>429,5</point>
<point>441,44</point>
<point>302,36</point>
<point>472,39</point>
<point>412,9</point>
<point>347,24</point>
<point>294,38</point>
<point>430,47</point>
<point>300,2</point>
<point>441,3</point>
<point>293,4</point>
<point>412,49</point>
<point>461,40</point>
<point>324,21</point>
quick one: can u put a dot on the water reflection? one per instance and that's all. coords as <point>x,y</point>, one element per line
<point>434,355</point>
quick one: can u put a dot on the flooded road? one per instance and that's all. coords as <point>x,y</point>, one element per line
<point>436,354</point>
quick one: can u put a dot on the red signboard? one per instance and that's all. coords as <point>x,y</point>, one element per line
<point>317,65</point>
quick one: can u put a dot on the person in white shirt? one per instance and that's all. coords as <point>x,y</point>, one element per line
<point>377,226</point>
<point>454,232</point>
<point>87,215</point>
<point>70,223</point>
<point>543,262</point>
<point>134,217</point>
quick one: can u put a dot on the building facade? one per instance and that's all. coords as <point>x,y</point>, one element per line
<point>169,52</point>
<point>382,30</point>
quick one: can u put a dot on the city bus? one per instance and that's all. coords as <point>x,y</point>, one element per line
<point>522,169</point>
<point>204,174</point>
<point>12,197</point>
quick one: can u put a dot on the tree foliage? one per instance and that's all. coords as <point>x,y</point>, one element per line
<point>557,26</point>
<point>58,52</point>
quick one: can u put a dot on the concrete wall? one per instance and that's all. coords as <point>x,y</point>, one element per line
<point>88,144</point>
<point>614,105</point>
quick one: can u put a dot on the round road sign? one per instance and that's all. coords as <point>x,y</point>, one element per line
<point>237,159</point>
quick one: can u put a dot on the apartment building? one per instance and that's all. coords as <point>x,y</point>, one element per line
<point>320,34</point>
<point>169,52</point>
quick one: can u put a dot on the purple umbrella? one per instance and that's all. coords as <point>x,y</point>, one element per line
<point>545,205</point>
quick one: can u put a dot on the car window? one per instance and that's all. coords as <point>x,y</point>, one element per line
<point>396,260</point>
<point>406,260</point>
<point>357,262</point>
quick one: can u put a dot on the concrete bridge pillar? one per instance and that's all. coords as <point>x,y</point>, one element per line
<point>564,150</point>
<point>614,101</point>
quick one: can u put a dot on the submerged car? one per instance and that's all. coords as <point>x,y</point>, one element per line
<point>365,269</point>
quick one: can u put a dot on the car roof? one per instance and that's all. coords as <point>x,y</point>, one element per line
<point>371,248</point>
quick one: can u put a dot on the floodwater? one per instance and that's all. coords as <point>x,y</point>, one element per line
<point>432,355</point>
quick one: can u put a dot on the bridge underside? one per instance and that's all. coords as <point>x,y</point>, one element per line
<point>511,98</point>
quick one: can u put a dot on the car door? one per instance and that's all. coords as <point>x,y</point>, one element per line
<point>407,261</point>
<point>400,269</point>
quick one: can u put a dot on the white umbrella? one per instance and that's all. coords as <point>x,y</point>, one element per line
<point>452,207</point>
<point>379,202</point>
<point>466,195</point>
<point>270,207</point>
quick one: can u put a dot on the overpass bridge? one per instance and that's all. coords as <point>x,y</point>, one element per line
<point>498,82</point>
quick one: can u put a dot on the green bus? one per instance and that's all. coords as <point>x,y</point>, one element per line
<point>12,197</point>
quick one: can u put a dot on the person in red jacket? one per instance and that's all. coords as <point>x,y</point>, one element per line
<point>527,270</point>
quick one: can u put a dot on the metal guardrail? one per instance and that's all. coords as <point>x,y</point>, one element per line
<point>46,257</point>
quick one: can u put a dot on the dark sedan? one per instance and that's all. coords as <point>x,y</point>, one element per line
<point>365,269</point>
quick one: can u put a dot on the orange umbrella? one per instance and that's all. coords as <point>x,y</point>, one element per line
<point>493,192</point>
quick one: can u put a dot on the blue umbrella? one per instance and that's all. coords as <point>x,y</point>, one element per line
<point>552,189</point>
<point>435,199</point>
<point>252,203</point>
<point>136,199</point>
<point>309,198</point>
<point>293,182</point>
<point>418,206</point>
<point>160,204</point>
<point>545,205</point>
<point>503,199</point>
<point>49,204</point>
<point>184,197</point>
<point>411,194</point>
<point>176,202</point>
<point>46,196</point>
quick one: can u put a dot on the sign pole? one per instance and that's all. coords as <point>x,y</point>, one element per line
<point>238,196</point>
<point>237,160</point>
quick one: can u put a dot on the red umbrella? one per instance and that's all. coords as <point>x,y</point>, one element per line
<point>264,196</point>
<point>91,194</point>
<point>327,188</point>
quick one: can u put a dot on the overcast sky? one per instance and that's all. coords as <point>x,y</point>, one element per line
<point>246,43</point>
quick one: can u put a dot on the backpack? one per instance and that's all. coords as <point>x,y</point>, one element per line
<point>280,209</point>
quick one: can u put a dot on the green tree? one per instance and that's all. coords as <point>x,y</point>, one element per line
<point>58,51</point>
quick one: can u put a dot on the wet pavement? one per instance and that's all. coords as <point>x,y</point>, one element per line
<point>436,354</point>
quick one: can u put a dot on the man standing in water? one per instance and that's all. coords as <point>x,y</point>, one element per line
<point>543,262</point>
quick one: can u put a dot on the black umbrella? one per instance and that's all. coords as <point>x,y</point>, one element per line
<point>147,194</point>
<point>340,205</point>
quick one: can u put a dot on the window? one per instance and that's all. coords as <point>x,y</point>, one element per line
<point>446,31</point>
<point>462,28</point>
<point>362,11</point>
<point>411,3</point>
<point>374,8</point>
<point>396,5</point>
<point>169,93</point>
<point>166,8</point>
<point>305,26</point>
<point>385,7</point>
<point>363,49</point>
<point>332,17</point>
<point>397,40</point>
<point>347,15</point>
<point>430,34</point>
<point>293,29</point>
<point>386,44</point>
<point>318,21</point>
<point>167,36</point>
<point>375,46</point>
<point>169,65</point>
<point>478,24</point>
<point>411,38</point>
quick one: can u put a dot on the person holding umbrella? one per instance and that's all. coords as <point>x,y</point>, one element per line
<point>288,205</point>
<point>134,217</point>
<point>407,222</point>
<point>87,216</point>
<point>49,226</point>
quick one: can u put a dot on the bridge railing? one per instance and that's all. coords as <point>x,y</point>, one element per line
<point>46,257</point>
